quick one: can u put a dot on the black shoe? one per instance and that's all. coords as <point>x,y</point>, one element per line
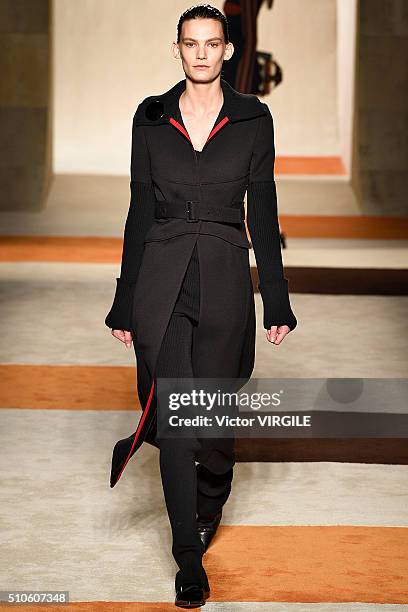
<point>207,528</point>
<point>191,596</point>
<point>181,585</point>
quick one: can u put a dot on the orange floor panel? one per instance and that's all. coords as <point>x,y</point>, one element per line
<point>366,227</point>
<point>83,249</point>
<point>69,249</point>
<point>97,606</point>
<point>294,564</point>
<point>310,165</point>
<point>309,564</point>
<point>69,387</point>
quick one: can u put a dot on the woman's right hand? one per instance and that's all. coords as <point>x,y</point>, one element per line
<point>123,335</point>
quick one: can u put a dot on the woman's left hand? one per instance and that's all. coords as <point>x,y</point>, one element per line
<point>276,334</point>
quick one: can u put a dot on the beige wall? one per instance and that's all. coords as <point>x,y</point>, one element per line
<point>109,54</point>
<point>346,58</point>
<point>302,36</point>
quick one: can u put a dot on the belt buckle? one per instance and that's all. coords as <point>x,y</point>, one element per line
<point>189,212</point>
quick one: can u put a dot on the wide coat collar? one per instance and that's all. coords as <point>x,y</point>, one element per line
<point>164,108</point>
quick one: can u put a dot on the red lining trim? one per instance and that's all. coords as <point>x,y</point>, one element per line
<point>217,127</point>
<point>210,135</point>
<point>139,427</point>
<point>179,127</point>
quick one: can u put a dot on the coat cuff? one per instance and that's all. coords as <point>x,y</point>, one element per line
<point>276,303</point>
<point>120,315</point>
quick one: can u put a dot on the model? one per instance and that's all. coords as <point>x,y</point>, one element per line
<point>185,297</point>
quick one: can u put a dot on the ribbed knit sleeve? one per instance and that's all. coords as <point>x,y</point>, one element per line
<point>139,220</point>
<point>263,226</point>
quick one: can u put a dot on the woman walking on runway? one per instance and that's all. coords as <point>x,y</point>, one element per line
<point>184,295</point>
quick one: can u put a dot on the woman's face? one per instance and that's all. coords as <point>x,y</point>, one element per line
<point>202,44</point>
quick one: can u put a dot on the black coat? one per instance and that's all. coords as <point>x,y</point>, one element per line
<point>237,158</point>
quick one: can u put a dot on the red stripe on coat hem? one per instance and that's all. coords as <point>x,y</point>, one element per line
<point>139,427</point>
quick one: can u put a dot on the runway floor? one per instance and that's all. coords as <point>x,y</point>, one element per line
<point>295,537</point>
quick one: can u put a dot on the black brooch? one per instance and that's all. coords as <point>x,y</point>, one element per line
<point>154,110</point>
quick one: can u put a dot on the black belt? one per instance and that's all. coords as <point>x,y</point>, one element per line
<point>193,211</point>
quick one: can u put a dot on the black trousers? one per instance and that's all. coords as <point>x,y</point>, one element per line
<point>190,488</point>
